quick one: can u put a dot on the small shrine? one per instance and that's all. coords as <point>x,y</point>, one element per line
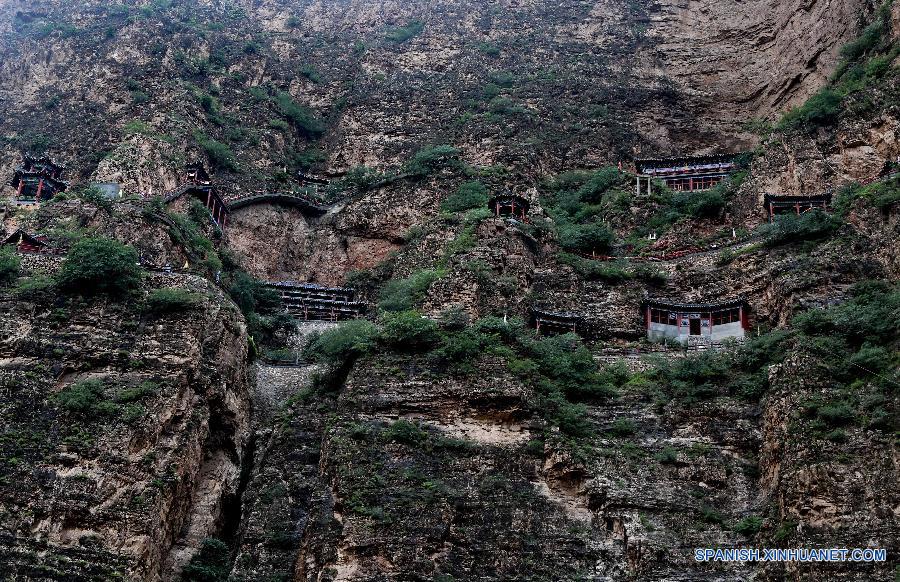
<point>687,173</point>
<point>510,206</point>
<point>26,243</point>
<point>777,204</point>
<point>311,302</point>
<point>695,322</point>
<point>38,179</point>
<point>555,322</point>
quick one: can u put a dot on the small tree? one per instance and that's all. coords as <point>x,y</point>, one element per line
<point>210,564</point>
<point>10,266</point>
<point>100,266</point>
<point>469,195</point>
<point>409,330</point>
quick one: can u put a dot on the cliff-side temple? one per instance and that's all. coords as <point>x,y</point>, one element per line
<point>311,302</point>
<point>555,322</point>
<point>777,204</point>
<point>198,185</point>
<point>38,179</point>
<point>685,174</point>
<point>695,322</point>
<point>510,205</point>
<point>24,242</point>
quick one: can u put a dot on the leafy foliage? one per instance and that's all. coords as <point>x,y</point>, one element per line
<point>408,330</point>
<point>219,153</point>
<point>469,195</point>
<point>303,118</point>
<point>210,564</point>
<point>171,300</point>
<point>403,33</point>
<point>100,266</point>
<point>405,294</point>
<point>344,343</point>
<point>10,266</point>
<point>813,225</point>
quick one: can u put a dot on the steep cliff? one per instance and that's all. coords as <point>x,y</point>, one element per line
<point>181,431</point>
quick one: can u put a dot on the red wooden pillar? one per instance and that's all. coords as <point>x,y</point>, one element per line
<point>771,211</point>
<point>647,318</point>
<point>21,186</point>
<point>690,183</point>
<point>208,199</point>
<point>797,208</point>
<point>40,187</point>
<point>742,313</point>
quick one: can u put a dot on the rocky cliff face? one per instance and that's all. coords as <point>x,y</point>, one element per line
<point>118,481</point>
<point>403,464</point>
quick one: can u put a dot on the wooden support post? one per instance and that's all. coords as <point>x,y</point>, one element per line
<point>690,183</point>
<point>797,206</point>
<point>208,199</point>
<point>21,186</point>
<point>638,186</point>
<point>40,187</point>
<point>771,211</point>
<point>224,219</point>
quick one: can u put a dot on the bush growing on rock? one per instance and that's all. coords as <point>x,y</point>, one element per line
<point>403,33</point>
<point>343,343</point>
<point>210,564</point>
<point>409,330</point>
<point>171,300</point>
<point>10,266</point>
<point>97,266</point>
<point>405,294</point>
<point>84,398</point>
<point>469,195</point>
<point>813,225</point>
<point>304,119</point>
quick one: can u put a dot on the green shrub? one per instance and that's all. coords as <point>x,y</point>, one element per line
<point>83,398</point>
<point>35,288</point>
<point>210,564</point>
<point>404,33</point>
<point>431,159</point>
<point>812,225</point>
<point>469,195</point>
<point>409,330</point>
<point>10,266</point>
<point>171,300</point>
<point>622,427</point>
<point>304,119</point>
<point>219,154</point>
<point>343,343</point>
<point>100,266</point>
<point>749,526</point>
<point>405,432</point>
<point>310,73</point>
<point>405,294</point>
<point>586,238</point>
<point>488,48</point>
<point>822,109</point>
<point>136,393</point>
<point>461,349</point>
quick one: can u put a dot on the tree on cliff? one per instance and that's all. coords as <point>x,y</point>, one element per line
<point>100,266</point>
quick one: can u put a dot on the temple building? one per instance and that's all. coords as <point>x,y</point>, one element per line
<point>311,302</point>
<point>695,322</point>
<point>38,179</point>
<point>509,205</point>
<point>685,174</point>
<point>198,185</point>
<point>777,204</point>
<point>555,322</point>
<point>26,243</point>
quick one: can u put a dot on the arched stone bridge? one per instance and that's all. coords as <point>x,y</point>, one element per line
<point>306,204</point>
